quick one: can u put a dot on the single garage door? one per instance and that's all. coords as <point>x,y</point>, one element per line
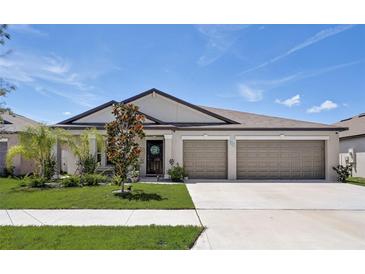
<point>205,159</point>
<point>280,159</point>
<point>3,151</point>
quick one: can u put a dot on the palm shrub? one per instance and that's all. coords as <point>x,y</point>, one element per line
<point>36,143</point>
<point>80,147</point>
<point>123,149</point>
<point>343,172</point>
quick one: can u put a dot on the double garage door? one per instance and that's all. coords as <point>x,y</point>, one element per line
<point>256,159</point>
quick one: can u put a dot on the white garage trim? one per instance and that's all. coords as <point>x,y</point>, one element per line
<point>283,137</point>
<point>204,137</point>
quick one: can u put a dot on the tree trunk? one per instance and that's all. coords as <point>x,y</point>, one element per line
<point>122,185</point>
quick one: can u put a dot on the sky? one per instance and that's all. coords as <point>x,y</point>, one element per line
<point>306,72</point>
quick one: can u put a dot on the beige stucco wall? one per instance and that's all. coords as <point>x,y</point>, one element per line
<point>173,146</point>
<point>332,146</point>
<point>358,146</point>
<point>159,107</point>
<point>102,116</point>
<point>168,110</point>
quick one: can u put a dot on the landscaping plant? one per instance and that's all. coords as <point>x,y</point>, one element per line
<point>71,181</point>
<point>80,146</point>
<point>35,182</point>
<point>37,143</point>
<point>123,149</point>
<point>176,172</point>
<point>343,172</point>
<point>5,86</point>
<point>93,179</point>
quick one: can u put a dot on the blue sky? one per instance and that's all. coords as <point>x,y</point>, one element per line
<point>307,72</point>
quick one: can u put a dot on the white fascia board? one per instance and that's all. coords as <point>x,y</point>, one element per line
<point>283,137</point>
<point>204,137</point>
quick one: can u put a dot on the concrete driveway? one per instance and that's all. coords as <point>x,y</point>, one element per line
<point>280,215</point>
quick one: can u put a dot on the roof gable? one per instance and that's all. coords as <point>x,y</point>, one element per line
<point>172,110</point>
<point>13,123</point>
<point>158,108</point>
<point>163,111</point>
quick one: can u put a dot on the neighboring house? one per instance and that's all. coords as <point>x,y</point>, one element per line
<point>352,143</point>
<point>214,143</point>
<point>9,129</point>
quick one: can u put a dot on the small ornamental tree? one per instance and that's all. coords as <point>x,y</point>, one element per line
<point>123,149</point>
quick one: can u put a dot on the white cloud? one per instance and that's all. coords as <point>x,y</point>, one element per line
<point>326,105</point>
<point>66,113</point>
<point>293,101</point>
<point>251,94</point>
<point>26,67</point>
<point>220,38</point>
<point>48,75</point>
<point>273,83</point>
<point>26,29</point>
<point>319,36</point>
<point>82,98</point>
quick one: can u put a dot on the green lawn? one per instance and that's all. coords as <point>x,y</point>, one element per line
<point>148,196</point>
<point>98,237</point>
<point>356,181</point>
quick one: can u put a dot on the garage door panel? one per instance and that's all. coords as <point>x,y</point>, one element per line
<point>3,151</point>
<point>280,160</point>
<point>205,159</point>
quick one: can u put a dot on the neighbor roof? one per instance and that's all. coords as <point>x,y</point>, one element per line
<point>14,123</point>
<point>356,126</point>
<point>231,119</point>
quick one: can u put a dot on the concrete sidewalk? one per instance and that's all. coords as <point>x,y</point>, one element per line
<point>88,217</point>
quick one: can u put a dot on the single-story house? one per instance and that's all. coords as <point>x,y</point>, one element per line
<point>213,143</point>
<point>9,136</point>
<point>352,144</point>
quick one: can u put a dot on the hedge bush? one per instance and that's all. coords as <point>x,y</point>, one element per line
<point>93,179</point>
<point>84,180</point>
<point>36,182</point>
<point>70,181</point>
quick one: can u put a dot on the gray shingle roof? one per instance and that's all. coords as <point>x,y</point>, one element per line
<point>250,120</point>
<point>355,124</point>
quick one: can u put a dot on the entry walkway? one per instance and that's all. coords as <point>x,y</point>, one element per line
<point>89,217</point>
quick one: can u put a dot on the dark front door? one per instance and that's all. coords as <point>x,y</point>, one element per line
<point>154,157</point>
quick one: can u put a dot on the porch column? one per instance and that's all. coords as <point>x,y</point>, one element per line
<point>93,146</point>
<point>232,158</point>
<point>103,158</point>
<point>167,154</point>
<point>57,152</point>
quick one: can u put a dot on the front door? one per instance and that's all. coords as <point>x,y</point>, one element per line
<point>154,157</point>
